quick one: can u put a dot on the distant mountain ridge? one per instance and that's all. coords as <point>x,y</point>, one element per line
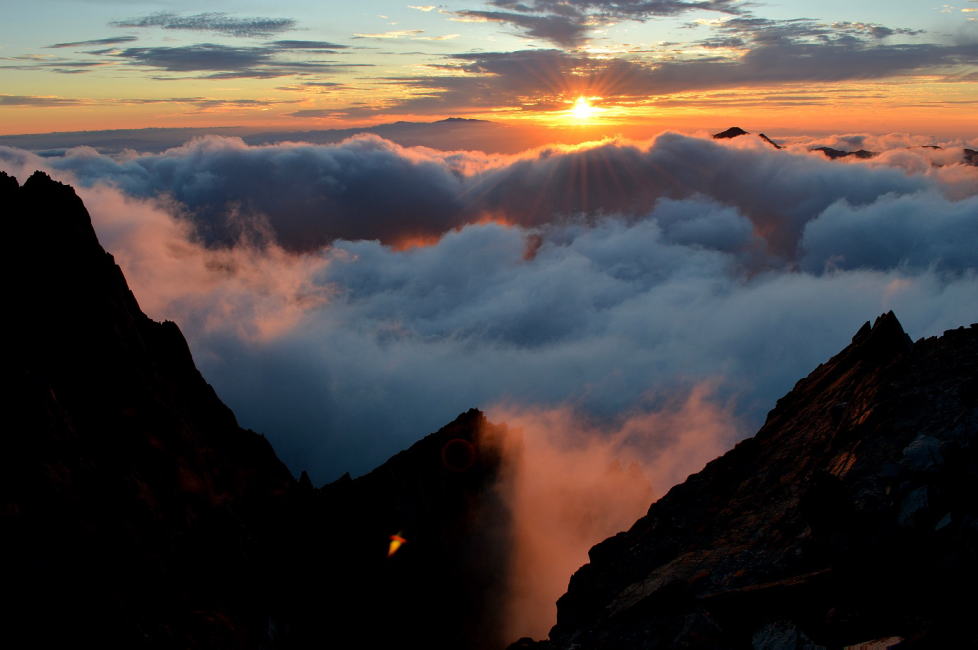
<point>449,131</point>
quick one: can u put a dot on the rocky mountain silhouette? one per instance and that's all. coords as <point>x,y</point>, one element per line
<point>848,518</point>
<point>968,156</point>
<point>136,513</point>
<point>732,132</point>
<point>736,132</point>
<point>834,154</point>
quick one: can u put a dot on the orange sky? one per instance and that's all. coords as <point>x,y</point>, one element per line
<point>785,68</point>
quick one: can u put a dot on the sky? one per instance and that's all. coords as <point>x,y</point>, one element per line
<point>643,65</point>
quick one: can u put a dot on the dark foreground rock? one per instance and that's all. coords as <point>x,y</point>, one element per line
<point>136,513</point>
<point>849,517</point>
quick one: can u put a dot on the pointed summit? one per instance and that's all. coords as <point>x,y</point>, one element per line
<point>8,184</point>
<point>885,335</point>
<point>732,132</point>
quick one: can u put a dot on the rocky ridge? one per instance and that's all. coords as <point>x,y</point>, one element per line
<point>849,517</point>
<point>137,513</point>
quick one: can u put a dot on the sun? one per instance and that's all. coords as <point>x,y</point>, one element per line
<point>582,110</point>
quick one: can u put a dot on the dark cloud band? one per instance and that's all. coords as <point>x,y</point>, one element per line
<point>217,22</point>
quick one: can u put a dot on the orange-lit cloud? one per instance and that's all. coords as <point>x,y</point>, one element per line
<point>572,483</point>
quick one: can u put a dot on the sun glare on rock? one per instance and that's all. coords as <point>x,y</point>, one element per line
<point>396,543</point>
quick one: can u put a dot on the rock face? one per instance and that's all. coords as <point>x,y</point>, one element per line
<point>968,156</point>
<point>834,154</point>
<point>736,132</point>
<point>769,141</point>
<point>442,587</point>
<point>849,517</point>
<point>732,132</point>
<point>136,512</point>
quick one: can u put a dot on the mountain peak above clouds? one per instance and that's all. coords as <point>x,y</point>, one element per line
<point>732,132</point>
<point>736,132</point>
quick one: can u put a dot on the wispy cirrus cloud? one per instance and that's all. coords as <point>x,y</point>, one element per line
<point>62,65</point>
<point>621,9</point>
<point>36,100</point>
<point>217,22</point>
<point>201,104</point>
<point>115,40</point>
<point>397,33</point>
<point>307,45</point>
<point>207,104</point>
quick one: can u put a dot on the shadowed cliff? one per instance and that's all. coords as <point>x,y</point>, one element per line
<point>849,517</point>
<point>137,513</point>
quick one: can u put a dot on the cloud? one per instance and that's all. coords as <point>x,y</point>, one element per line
<point>227,62</point>
<point>917,231</point>
<point>218,22</point>
<point>528,78</point>
<point>558,29</point>
<point>793,62</point>
<point>34,100</point>
<point>32,63</point>
<point>200,103</point>
<point>567,24</point>
<point>204,56</point>
<point>443,37</point>
<point>744,51</point>
<point>546,79</point>
<point>333,189</point>
<point>263,291</point>
<point>620,8</point>
<point>317,112</point>
<point>307,45</point>
<point>400,33</point>
<point>724,264</point>
<point>115,40</point>
<point>335,185</point>
<point>875,30</point>
<point>569,482</point>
